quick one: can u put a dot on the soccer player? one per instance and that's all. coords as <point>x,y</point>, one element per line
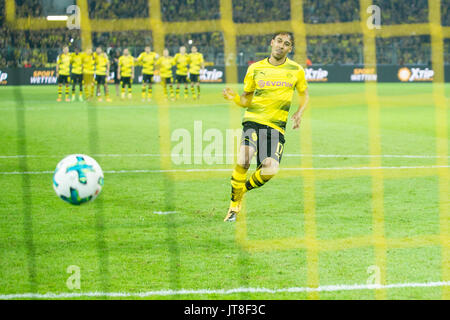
<point>165,64</point>
<point>76,60</point>
<point>147,59</point>
<point>181,60</point>
<point>88,73</point>
<point>268,90</point>
<point>197,64</point>
<point>126,72</point>
<point>114,68</point>
<point>101,73</point>
<point>63,72</point>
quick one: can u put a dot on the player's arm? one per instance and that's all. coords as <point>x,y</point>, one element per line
<point>118,69</point>
<point>244,100</point>
<point>297,116</point>
<point>132,70</point>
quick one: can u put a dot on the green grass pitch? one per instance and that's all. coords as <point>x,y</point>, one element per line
<point>121,245</point>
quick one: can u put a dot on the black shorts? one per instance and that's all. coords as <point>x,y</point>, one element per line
<point>181,79</point>
<point>63,79</point>
<point>125,80</point>
<point>77,78</point>
<point>101,79</point>
<point>167,80</point>
<point>194,77</point>
<point>147,78</point>
<point>268,142</point>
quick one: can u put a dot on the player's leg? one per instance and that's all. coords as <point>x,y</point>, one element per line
<point>117,84</point>
<point>186,87</point>
<point>150,88</point>
<point>270,150</point>
<point>144,87</point>
<point>129,88</point>
<point>59,92</point>
<point>122,90</point>
<point>164,84</point>
<point>106,90</point>
<point>80,86</point>
<point>192,82</point>
<point>67,89</point>
<point>177,89</point>
<point>172,96</point>
<point>74,85</point>
<point>198,89</point>
<point>238,179</point>
<point>92,86</point>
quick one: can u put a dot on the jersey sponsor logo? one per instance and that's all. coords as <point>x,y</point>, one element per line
<point>363,74</point>
<point>415,74</point>
<point>316,74</point>
<point>211,76</point>
<point>43,77</point>
<point>3,77</point>
<point>264,83</point>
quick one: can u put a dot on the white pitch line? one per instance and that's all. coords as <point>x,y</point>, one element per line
<point>329,288</point>
<point>164,212</point>
<point>228,169</point>
<point>294,155</point>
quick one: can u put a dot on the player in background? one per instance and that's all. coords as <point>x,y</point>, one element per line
<point>76,60</point>
<point>115,54</point>
<point>268,90</point>
<point>101,73</point>
<point>181,61</point>
<point>126,72</point>
<point>147,60</point>
<point>63,72</point>
<point>197,64</point>
<point>88,73</point>
<point>165,64</point>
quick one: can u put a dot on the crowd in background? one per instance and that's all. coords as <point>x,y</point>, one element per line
<point>40,48</point>
<point>117,9</point>
<point>185,10</point>
<point>329,11</point>
<point>245,11</point>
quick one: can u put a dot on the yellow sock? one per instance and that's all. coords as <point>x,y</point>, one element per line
<point>238,178</point>
<point>257,180</point>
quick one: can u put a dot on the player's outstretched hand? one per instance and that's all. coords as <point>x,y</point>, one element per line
<point>228,94</point>
<point>296,118</point>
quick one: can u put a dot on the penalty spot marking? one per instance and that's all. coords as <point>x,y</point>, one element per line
<point>329,288</point>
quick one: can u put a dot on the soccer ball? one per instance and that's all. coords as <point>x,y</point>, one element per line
<point>78,179</point>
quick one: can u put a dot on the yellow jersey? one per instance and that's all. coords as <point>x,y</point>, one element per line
<point>165,66</point>
<point>196,62</point>
<point>63,62</point>
<point>126,64</point>
<point>76,60</point>
<point>181,61</point>
<point>147,60</point>
<point>273,88</point>
<point>88,63</point>
<point>101,64</point>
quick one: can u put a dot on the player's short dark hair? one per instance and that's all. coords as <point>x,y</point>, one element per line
<point>284,33</point>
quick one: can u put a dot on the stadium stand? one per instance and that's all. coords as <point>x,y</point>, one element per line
<point>40,48</point>
<point>188,10</point>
